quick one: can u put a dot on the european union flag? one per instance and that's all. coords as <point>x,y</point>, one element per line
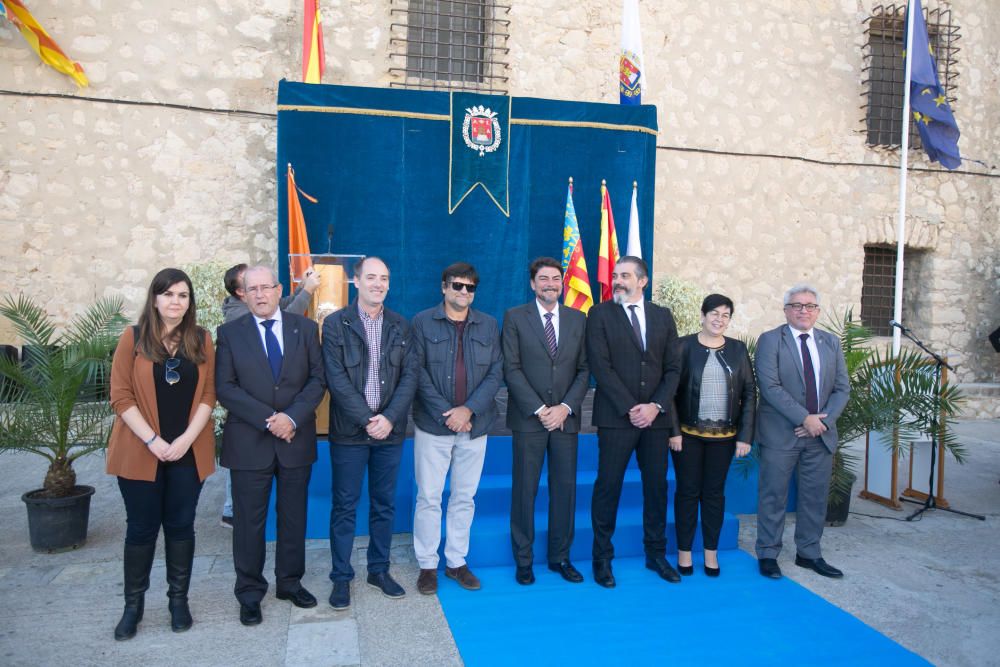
<point>935,121</point>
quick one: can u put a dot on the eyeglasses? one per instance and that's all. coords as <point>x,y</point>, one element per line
<point>172,376</point>
<point>260,289</point>
<point>799,307</point>
<point>458,287</point>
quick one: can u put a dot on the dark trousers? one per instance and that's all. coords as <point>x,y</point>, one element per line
<point>701,468</point>
<point>529,453</point>
<point>348,468</point>
<point>169,501</point>
<point>615,447</point>
<point>251,495</point>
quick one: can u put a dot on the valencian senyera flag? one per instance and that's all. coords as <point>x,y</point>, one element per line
<point>313,57</point>
<point>298,242</point>
<point>607,255</point>
<point>479,152</point>
<point>928,104</point>
<point>632,78</point>
<point>41,42</point>
<point>576,280</point>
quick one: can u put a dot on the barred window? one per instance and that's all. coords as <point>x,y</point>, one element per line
<point>885,74</point>
<point>878,286</point>
<point>450,44</point>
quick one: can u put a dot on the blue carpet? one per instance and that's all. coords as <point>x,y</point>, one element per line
<point>739,618</point>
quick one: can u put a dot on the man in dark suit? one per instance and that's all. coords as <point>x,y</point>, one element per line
<point>545,366</point>
<point>269,375</point>
<point>803,383</point>
<point>631,347</point>
<point>372,369</point>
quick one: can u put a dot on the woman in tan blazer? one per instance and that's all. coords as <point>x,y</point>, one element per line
<point>162,446</point>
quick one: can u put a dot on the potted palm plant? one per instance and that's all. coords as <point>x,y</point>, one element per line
<point>58,409</point>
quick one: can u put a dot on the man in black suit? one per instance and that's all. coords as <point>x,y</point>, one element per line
<point>631,347</point>
<point>269,375</point>
<point>545,366</point>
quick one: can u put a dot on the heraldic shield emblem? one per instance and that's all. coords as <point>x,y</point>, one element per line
<point>481,130</point>
<point>630,82</point>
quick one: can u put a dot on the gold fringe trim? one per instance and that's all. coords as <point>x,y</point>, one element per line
<point>724,435</point>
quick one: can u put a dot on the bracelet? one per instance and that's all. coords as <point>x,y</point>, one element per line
<point>151,440</point>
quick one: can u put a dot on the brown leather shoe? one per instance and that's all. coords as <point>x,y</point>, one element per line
<point>463,575</point>
<point>427,582</point>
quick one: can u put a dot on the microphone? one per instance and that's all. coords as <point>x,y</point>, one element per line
<point>894,323</point>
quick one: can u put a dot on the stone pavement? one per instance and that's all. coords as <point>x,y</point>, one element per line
<point>931,585</point>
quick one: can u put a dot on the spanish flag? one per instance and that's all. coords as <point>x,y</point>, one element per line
<point>313,58</point>
<point>298,242</point>
<point>41,42</point>
<point>607,255</point>
<point>577,292</point>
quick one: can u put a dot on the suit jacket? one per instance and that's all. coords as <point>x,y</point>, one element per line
<point>626,374</point>
<point>783,390</point>
<point>245,387</point>
<point>132,384</point>
<point>533,377</point>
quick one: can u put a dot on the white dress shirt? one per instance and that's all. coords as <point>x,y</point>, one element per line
<point>813,350</point>
<point>555,317</point>
<point>276,328</point>
<point>640,312</point>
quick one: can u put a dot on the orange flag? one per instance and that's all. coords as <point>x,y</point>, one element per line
<point>41,42</point>
<point>313,57</point>
<point>607,255</point>
<point>298,242</point>
<point>575,278</point>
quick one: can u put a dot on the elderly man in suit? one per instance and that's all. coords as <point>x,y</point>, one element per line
<point>803,382</point>
<point>545,366</point>
<point>631,347</point>
<point>269,375</point>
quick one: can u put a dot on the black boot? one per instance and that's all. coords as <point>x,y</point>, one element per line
<point>180,554</point>
<point>137,561</point>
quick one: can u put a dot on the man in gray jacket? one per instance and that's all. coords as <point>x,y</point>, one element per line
<point>462,366</point>
<point>803,383</point>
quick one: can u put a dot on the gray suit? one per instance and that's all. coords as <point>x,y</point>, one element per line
<point>536,379</point>
<point>778,364</point>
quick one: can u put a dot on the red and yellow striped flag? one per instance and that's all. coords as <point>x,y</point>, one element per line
<point>313,57</point>
<point>577,292</point>
<point>41,42</point>
<point>608,255</point>
<point>298,242</point>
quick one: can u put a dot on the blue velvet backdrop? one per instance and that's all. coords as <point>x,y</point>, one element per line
<point>377,160</point>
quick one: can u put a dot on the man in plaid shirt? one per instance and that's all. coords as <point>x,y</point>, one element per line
<point>372,373</point>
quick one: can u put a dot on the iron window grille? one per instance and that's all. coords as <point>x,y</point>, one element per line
<point>884,64</point>
<point>878,286</point>
<point>450,44</point>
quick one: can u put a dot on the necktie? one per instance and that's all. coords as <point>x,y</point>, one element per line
<point>812,402</point>
<point>273,349</point>
<point>550,335</point>
<point>635,327</point>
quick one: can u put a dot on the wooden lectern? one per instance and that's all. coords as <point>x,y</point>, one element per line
<point>336,276</point>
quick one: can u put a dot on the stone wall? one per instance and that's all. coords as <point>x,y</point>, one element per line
<point>763,175</point>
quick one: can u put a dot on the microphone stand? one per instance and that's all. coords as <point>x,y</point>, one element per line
<point>931,502</point>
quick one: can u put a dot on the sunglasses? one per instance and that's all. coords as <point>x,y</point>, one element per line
<point>458,287</point>
<point>172,376</point>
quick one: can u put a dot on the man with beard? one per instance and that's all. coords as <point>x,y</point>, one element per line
<point>545,366</point>
<point>631,349</point>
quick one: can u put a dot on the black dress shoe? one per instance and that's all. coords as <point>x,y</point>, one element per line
<point>686,570</point>
<point>712,571</point>
<point>659,565</point>
<point>524,575</point>
<point>602,573</point>
<point>769,568</point>
<point>819,566</point>
<point>568,572</point>
<point>340,596</point>
<point>300,598</point>
<point>250,613</point>
<point>385,583</point>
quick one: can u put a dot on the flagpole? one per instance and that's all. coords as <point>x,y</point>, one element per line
<point>897,308</point>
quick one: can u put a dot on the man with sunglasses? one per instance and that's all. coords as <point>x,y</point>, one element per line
<point>453,410</point>
<point>269,376</point>
<point>803,383</point>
